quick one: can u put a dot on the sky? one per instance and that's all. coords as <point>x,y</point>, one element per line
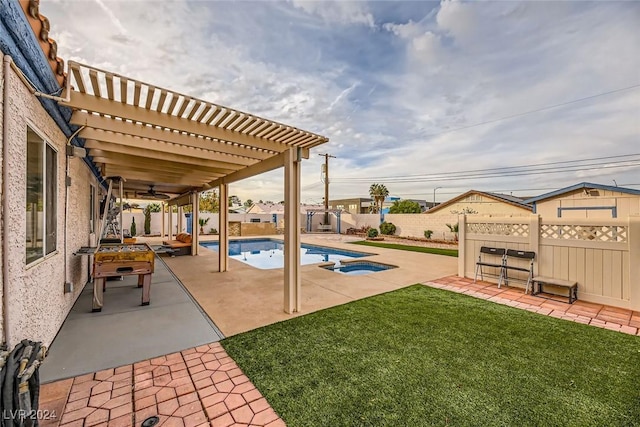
<point>412,95</point>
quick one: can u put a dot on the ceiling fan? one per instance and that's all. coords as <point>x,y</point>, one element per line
<point>153,194</point>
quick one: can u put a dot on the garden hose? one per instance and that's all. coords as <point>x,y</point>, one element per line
<point>20,384</point>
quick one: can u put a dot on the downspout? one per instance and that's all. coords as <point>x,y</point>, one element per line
<point>5,204</point>
<point>66,200</point>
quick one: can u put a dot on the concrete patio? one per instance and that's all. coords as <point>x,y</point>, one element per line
<point>124,331</point>
<point>245,298</point>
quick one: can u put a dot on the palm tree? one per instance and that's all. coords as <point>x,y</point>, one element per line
<point>378,193</point>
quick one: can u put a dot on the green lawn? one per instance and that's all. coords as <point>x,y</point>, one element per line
<point>437,251</point>
<point>421,356</point>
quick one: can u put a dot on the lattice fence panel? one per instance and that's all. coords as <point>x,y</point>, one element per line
<point>518,230</point>
<point>234,229</point>
<point>592,233</point>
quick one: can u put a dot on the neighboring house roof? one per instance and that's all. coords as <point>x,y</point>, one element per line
<point>512,200</point>
<point>586,185</point>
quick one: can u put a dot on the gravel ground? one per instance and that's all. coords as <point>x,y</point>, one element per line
<point>423,242</point>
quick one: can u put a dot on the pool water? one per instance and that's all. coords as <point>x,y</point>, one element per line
<point>268,253</point>
<point>359,268</point>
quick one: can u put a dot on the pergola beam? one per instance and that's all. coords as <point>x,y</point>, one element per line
<point>94,121</point>
<point>105,147</point>
<point>162,146</point>
<point>171,170</point>
<point>268,165</point>
<point>84,101</point>
<point>150,177</point>
<point>135,161</point>
<point>174,173</point>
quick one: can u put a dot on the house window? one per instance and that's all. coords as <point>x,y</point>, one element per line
<point>41,212</point>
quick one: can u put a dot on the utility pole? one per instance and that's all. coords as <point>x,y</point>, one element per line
<point>325,178</point>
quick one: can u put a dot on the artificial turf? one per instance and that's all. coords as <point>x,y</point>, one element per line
<point>421,356</point>
<point>436,251</point>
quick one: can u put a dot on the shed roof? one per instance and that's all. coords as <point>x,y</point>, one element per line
<point>585,185</point>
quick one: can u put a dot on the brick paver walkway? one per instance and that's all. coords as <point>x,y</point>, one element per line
<point>602,316</point>
<point>201,386</point>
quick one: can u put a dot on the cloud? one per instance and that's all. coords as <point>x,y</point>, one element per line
<point>116,22</point>
<point>342,12</point>
<point>400,88</point>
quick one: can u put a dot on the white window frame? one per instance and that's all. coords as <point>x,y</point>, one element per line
<point>45,177</point>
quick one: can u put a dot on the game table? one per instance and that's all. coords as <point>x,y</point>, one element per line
<point>117,259</point>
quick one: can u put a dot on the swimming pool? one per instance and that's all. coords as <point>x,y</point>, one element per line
<point>269,253</point>
<point>358,268</point>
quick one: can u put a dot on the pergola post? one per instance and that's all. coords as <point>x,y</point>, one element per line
<point>170,231</point>
<point>180,214</point>
<point>163,214</point>
<point>223,227</point>
<point>195,214</point>
<point>292,273</point>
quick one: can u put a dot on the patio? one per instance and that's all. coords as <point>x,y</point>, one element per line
<point>126,332</point>
<point>245,298</point>
<point>203,385</point>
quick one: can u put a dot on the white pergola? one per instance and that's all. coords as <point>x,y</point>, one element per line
<point>182,146</point>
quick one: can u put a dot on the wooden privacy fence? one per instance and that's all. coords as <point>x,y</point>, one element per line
<point>602,256</point>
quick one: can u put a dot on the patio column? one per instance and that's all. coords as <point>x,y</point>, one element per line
<point>223,227</point>
<point>292,276</point>
<point>164,206</point>
<point>180,214</point>
<point>170,233</point>
<point>195,226</point>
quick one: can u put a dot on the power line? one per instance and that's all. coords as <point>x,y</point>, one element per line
<point>506,167</point>
<point>515,173</point>
<point>502,191</point>
<point>534,169</point>
<point>512,116</point>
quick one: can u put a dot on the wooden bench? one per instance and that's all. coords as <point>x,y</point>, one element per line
<point>571,286</point>
<point>324,227</point>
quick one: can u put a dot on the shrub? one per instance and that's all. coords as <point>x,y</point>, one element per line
<point>387,228</point>
<point>133,227</point>
<point>213,231</point>
<point>147,219</point>
<point>428,233</point>
<point>372,232</point>
<point>405,207</point>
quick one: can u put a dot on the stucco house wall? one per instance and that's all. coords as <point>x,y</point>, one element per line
<point>2,221</point>
<point>626,204</point>
<point>36,299</point>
